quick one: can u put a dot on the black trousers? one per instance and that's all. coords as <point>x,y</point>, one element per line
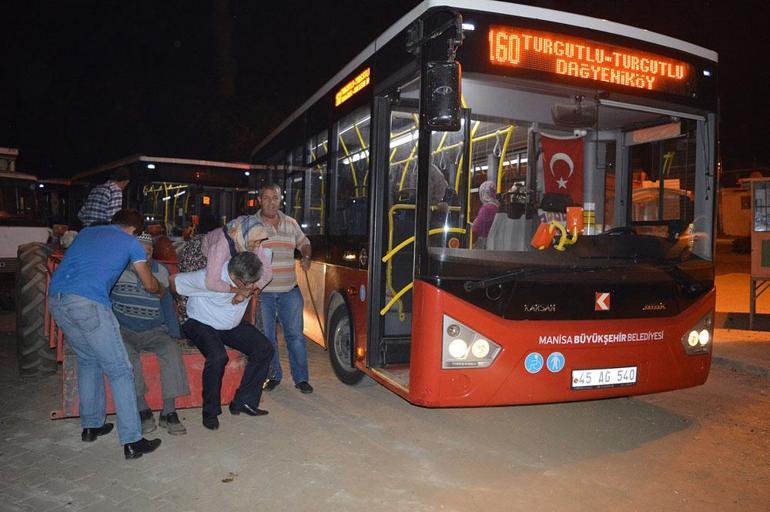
<point>211,342</point>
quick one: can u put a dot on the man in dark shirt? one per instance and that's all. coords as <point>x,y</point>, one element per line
<point>105,200</point>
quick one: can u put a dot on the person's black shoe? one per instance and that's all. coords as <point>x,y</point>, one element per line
<point>90,434</point>
<point>148,421</point>
<point>210,422</point>
<point>270,384</point>
<point>304,386</point>
<point>236,409</point>
<point>139,448</point>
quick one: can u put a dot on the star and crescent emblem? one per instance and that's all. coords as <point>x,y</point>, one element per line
<point>564,157</point>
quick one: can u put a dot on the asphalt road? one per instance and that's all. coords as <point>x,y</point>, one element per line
<point>365,449</point>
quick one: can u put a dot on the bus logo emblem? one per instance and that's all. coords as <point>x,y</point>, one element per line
<point>602,302</point>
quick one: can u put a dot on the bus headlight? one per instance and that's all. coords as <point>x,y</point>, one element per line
<point>480,348</point>
<point>465,348</point>
<point>458,349</point>
<point>697,340</point>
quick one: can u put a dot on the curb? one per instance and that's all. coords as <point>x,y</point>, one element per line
<point>741,366</point>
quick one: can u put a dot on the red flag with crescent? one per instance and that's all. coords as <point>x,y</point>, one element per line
<point>563,166</point>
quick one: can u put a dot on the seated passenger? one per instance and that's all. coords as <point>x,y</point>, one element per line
<point>486,215</point>
<point>149,324</point>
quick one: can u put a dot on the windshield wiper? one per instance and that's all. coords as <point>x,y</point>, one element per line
<point>692,286</point>
<point>506,277</point>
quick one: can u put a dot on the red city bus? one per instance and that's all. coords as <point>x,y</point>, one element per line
<point>586,269</point>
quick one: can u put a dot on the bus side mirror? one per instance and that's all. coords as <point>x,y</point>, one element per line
<point>443,109</point>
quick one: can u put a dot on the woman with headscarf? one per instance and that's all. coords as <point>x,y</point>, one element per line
<point>244,233</point>
<point>486,215</point>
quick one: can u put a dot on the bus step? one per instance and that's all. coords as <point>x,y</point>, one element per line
<point>395,349</point>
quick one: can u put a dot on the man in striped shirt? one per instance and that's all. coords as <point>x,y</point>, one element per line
<point>281,298</point>
<point>105,200</point>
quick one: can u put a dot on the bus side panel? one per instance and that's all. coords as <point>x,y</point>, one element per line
<point>653,345</point>
<point>313,282</point>
<point>349,282</point>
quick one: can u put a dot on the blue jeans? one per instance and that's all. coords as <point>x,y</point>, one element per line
<point>287,306</point>
<point>92,331</point>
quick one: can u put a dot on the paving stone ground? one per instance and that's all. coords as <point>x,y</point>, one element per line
<point>45,466</point>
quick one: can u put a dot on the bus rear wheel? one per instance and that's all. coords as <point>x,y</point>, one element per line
<point>340,343</point>
<point>34,354</point>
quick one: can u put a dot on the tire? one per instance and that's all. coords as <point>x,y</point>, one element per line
<point>340,344</point>
<point>35,357</point>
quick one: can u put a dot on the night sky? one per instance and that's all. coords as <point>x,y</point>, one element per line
<point>86,82</point>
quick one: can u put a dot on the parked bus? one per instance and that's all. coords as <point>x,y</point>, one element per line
<point>182,194</point>
<point>594,275</point>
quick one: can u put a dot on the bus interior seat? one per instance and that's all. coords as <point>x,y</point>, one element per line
<point>507,234</point>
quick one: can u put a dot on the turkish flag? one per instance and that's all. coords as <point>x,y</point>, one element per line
<point>563,166</point>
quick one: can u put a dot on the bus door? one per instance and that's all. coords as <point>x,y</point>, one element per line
<point>393,224</point>
<point>392,229</point>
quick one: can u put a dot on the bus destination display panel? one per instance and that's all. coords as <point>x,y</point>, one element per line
<point>560,54</point>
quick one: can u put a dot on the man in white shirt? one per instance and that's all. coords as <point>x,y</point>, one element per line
<point>215,321</point>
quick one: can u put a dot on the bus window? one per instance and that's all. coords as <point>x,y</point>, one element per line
<point>294,187</point>
<point>663,184</point>
<point>349,191</point>
<point>315,160</point>
<point>499,157</point>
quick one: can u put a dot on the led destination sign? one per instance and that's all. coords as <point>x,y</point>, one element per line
<point>581,58</point>
<point>349,89</point>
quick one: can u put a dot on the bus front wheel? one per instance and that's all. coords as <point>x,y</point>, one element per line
<point>340,345</point>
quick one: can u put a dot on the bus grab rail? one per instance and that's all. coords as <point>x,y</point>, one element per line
<point>393,250</point>
<point>395,298</point>
<point>387,258</point>
<point>434,231</point>
<point>400,246</point>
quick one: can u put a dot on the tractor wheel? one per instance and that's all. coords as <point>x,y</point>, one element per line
<point>34,355</point>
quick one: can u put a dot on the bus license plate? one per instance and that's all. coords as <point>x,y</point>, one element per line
<point>603,377</point>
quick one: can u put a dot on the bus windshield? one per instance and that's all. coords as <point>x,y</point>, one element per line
<point>566,181</point>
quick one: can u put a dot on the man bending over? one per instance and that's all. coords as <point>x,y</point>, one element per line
<point>215,320</point>
<point>148,323</point>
